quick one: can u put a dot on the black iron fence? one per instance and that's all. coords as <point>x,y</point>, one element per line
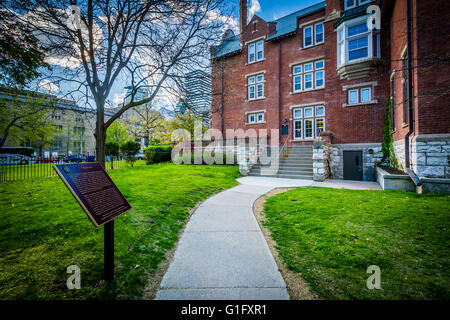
<point>18,167</point>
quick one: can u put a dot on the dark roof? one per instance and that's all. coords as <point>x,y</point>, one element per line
<point>228,46</point>
<point>352,13</point>
<point>284,26</point>
<point>288,24</point>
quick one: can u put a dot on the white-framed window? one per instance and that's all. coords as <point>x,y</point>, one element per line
<point>308,122</point>
<point>255,86</point>
<point>356,42</point>
<point>308,76</point>
<point>353,96</point>
<point>256,51</point>
<point>256,117</point>
<point>297,74</point>
<point>318,33</point>
<point>309,128</point>
<point>319,75</point>
<point>320,126</point>
<point>259,50</point>
<point>349,4</point>
<point>360,95</point>
<point>313,35</point>
<point>364,1</point>
<point>251,53</point>
<point>307,36</point>
<point>298,129</point>
<point>366,95</point>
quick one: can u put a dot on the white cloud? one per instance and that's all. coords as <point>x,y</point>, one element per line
<point>118,98</point>
<point>254,8</point>
<point>63,61</point>
<point>49,86</point>
<point>228,22</point>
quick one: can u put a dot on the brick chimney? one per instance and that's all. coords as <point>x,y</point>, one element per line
<point>242,15</point>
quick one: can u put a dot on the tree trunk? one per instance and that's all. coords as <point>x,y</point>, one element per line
<point>112,161</point>
<point>100,134</point>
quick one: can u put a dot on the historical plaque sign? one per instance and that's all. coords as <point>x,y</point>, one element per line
<point>94,190</point>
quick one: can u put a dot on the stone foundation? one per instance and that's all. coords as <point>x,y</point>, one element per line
<point>370,153</point>
<point>321,160</point>
<point>429,155</point>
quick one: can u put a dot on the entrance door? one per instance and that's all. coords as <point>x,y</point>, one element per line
<point>353,165</point>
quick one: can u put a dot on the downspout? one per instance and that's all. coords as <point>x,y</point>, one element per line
<point>409,65</point>
<point>221,98</point>
<point>279,93</point>
<point>408,170</point>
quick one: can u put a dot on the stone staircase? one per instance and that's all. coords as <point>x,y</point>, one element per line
<point>297,163</point>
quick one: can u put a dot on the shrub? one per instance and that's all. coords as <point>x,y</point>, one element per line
<point>387,146</point>
<point>129,150</point>
<point>157,154</point>
<point>112,149</point>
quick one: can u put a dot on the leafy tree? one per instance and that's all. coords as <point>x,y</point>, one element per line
<point>24,116</point>
<point>185,121</point>
<point>117,133</point>
<point>144,122</point>
<point>20,53</point>
<point>387,146</point>
<point>112,149</point>
<point>129,150</point>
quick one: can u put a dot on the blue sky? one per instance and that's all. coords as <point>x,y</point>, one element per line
<point>271,10</point>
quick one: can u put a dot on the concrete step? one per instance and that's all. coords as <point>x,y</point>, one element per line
<point>299,154</point>
<point>293,170</point>
<point>290,176</point>
<point>296,165</point>
<point>297,162</point>
<point>302,172</point>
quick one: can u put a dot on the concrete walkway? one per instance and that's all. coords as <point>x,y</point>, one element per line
<point>222,254</point>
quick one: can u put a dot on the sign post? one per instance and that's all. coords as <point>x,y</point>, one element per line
<point>100,199</point>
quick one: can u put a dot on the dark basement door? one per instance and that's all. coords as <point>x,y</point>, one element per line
<point>353,165</point>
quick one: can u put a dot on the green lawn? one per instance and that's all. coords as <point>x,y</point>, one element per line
<point>331,236</point>
<point>43,230</point>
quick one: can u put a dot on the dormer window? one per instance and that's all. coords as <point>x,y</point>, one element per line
<point>256,51</point>
<point>313,35</point>
<point>350,4</point>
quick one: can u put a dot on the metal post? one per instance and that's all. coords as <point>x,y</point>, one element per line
<point>109,251</point>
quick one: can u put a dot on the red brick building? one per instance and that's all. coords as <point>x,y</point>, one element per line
<point>324,68</point>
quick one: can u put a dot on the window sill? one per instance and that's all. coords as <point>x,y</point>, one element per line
<point>404,125</point>
<point>302,140</point>
<point>255,99</point>
<point>308,90</point>
<point>250,63</point>
<point>250,124</point>
<point>313,46</point>
<point>346,105</point>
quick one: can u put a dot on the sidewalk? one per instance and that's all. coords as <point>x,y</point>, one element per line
<point>222,254</point>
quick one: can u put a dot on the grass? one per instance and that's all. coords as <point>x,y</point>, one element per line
<point>332,236</point>
<point>43,231</point>
<point>43,170</point>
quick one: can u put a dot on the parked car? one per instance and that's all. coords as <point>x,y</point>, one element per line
<point>140,155</point>
<point>45,160</point>
<point>16,155</point>
<point>75,158</point>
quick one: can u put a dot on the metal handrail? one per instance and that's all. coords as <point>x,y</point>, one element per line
<point>282,152</point>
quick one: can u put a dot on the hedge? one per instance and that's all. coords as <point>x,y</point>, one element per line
<point>157,154</point>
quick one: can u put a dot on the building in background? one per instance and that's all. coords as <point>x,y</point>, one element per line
<point>196,95</point>
<point>324,68</point>
<point>74,128</point>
